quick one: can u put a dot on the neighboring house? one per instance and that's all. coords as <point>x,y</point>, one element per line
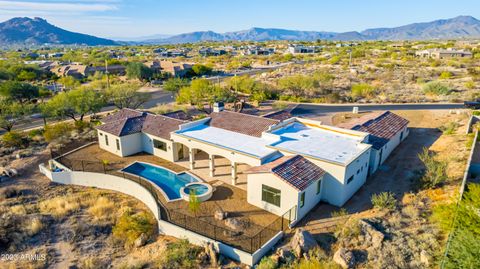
<point>172,53</point>
<point>292,161</point>
<point>387,130</point>
<point>80,71</point>
<point>443,53</point>
<point>211,52</point>
<point>297,49</point>
<point>173,68</point>
<point>257,50</point>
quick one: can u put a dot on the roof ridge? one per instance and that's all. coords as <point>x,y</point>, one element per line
<point>248,115</point>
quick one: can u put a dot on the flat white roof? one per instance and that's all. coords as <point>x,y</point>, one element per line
<point>326,144</point>
<point>251,145</point>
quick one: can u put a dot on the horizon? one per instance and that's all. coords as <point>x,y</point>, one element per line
<point>122,19</point>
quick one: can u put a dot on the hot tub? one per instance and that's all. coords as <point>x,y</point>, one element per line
<point>203,191</point>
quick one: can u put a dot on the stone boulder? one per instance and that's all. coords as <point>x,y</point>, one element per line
<point>344,258</point>
<point>302,242</point>
<point>235,224</point>
<point>141,240</point>
<point>212,254</point>
<point>372,235</point>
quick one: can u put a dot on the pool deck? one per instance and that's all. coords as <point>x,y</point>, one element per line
<point>226,197</point>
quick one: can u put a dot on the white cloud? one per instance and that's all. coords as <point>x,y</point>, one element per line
<point>57,6</point>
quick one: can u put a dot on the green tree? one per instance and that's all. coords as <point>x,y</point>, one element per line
<point>175,84</point>
<point>244,84</point>
<point>200,93</point>
<point>126,95</point>
<point>75,103</point>
<point>200,69</point>
<point>298,85</point>
<point>193,202</point>
<point>19,91</point>
<point>436,88</point>
<point>69,82</point>
<point>138,71</point>
<point>12,113</point>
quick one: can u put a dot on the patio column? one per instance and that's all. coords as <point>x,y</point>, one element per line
<point>234,173</point>
<point>191,156</point>
<point>211,164</point>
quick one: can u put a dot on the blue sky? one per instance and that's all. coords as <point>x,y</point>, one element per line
<point>134,18</point>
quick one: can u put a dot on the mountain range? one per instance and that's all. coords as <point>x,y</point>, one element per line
<point>37,31</point>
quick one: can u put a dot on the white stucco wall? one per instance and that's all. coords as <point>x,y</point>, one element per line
<point>289,196</point>
<point>147,144</point>
<point>386,150</point>
<point>129,144</point>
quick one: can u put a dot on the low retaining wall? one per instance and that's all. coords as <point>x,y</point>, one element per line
<point>111,182</point>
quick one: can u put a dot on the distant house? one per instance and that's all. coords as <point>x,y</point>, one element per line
<point>297,49</point>
<point>443,53</point>
<point>387,130</point>
<point>171,53</point>
<point>257,50</point>
<point>173,68</point>
<point>211,52</point>
<point>80,71</point>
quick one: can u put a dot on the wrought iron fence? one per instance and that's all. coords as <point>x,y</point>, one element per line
<point>197,225</point>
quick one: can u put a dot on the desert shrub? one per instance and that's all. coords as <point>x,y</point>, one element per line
<point>436,88</point>
<point>384,200</point>
<point>18,210</point>
<point>130,226</point>
<point>34,226</point>
<point>267,263</point>
<point>14,139</point>
<point>60,206</point>
<point>102,209</point>
<point>446,75</point>
<point>180,254</point>
<point>435,172</point>
<point>449,128</point>
<point>363,91</point>
<point>56,131</point>
<point>470,85</point>
<point>339,213</point>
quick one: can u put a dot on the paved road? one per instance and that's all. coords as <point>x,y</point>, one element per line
<point>321,110</point>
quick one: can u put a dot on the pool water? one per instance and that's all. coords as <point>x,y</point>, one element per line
<point>168,181</point>
<point>198,188</point>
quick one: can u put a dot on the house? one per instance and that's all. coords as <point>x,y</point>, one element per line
<point>172,53</point>
<point>290,162</point>
<point>257,50</point>
<point>296,49</point>
<point>211,52</point>
<point>74,70</point>
<point>443,53</point>
<point>173,68</point>
<point>387,130</point>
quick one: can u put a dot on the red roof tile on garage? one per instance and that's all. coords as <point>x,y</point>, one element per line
<point>295,170</point>
<point>241,123</point>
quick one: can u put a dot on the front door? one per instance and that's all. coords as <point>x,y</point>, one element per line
<point>180,151</point>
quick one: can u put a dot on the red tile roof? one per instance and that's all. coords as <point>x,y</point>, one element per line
<point>382,128</point>
<point>278,115</point>
<point>129,121</point>
<point>241,123</point>
<point>295,170</point>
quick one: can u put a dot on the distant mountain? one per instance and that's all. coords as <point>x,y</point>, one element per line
<point>37,31</point>
<point>458,27</point>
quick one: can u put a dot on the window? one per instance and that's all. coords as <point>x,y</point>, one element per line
<point>401,135</point>
<point>106,140</point>
<point>358,171</point>
<point>319,184</point>
<point>160,145</point>
<point>118,144</point>
<point>101,134</point>
<point>302,199</point>
<point>350,179</point>
<point>271,195</point>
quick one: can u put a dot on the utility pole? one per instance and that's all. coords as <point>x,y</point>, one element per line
<point>106,72</point>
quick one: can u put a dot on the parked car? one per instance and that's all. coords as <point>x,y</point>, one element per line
<point>472,104</point>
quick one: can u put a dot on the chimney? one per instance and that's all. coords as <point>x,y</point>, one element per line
<point>218,106</point>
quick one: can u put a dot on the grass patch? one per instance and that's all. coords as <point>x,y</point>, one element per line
<point>384,200</point>
<point>60,206</point>
<point>449,128</point>
<point>435,172</point>
<point>130,226</point>
<point>102,209</point>
<point>180,254</point>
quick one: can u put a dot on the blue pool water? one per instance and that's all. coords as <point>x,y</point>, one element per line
<point>168,181</point>
<point>199,189</point>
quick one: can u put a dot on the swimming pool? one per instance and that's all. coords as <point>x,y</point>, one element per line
<point>168,181</point>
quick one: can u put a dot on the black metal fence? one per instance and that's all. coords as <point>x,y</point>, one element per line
<point>236,239</point>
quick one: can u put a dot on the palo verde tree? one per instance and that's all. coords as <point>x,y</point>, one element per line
<point>138,71</point>
<point>202,93</point>
<point>12,113</point>
<point>75,104</point>
<point>175,84</point>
